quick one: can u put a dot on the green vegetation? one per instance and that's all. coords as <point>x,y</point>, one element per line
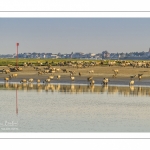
<point>55,62</point>
<point>36,62</point>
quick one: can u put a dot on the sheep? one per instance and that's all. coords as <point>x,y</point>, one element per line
<point>72,72</point>
<point>51,77</point>
<point>40,72</point>
<point>105,81</point>
<point>25,65</point>
<point>37,68</point>
<point>47,80</point>
<point>46,71</point>
<point>23,81</point>
<point>114,75</point>
<point>6,71</point>
<point>140,76</point>
<point>58,69</point>
<point>19,69</point>
<point>116,71</point>
<point>14,75</point>
<point>64,70</point>
<point>9,65</point>
<point>2,71</point>
<point>6,79</point>
<point>38,81</point>
<point>89,78</point>
<point>72,78</point>
<point>92,71</point>
<point>111,63</point>
<point>30,80</point>
<point>123,64</point>
<point>132,76</point>
<point>92,82</point>
<point>131,82</point>
<point>58,77</point>
<point>52,71</point>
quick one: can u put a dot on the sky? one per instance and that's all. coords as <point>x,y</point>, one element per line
<point>66,35</point>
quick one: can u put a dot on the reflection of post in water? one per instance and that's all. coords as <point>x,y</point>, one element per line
<point>16,101</point>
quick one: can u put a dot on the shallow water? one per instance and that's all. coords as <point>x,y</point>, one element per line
<point>74,108</point>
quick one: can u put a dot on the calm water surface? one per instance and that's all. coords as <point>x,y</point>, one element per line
<point>74,108</point>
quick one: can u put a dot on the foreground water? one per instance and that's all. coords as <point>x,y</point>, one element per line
<point>74,108</point>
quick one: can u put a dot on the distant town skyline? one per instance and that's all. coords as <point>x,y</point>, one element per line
<point>66,35</point>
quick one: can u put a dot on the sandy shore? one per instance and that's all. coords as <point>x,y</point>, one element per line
<point>100,72</point>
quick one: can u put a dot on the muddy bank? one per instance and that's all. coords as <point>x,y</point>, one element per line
<point>123,77</point>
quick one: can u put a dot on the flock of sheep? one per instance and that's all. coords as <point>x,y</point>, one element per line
<point>52,71</point>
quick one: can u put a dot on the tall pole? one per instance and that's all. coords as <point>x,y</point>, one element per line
<point>17,44</point>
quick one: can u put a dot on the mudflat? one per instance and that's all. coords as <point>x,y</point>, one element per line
<point>100,72</point>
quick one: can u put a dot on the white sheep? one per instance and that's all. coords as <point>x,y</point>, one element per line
<point>47,80</point>
<point>131,82</point>
<point>7,79</point>
<point>72,78</point>
<point>140,76</point>
<point>105,81</point>
<point>38,81</point>
<point>30,80</point>
<point>14,75</point>
<point>51,77</point>
<point>92,71</point>
<point>23,81</point>
<point>89,78</point>
<point>58,77</point>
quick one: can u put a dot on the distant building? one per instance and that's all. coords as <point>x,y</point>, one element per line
<point>105,55</point>
<point>77,55</point>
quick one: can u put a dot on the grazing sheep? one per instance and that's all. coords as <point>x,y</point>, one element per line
<point>72,72</point>
<point>64,70</point>
<point>47,80</point>
<point>23,81</point>
<point>140,76</point>
<point>105,81</point>
<point>58,77</point>
<point>131,82</point>
<point>14,75</point>
<point>7,79</point>
<point>9,65</point>
<point>6,71</point>
<point>46,71</point>
<point>72,78</point>
<point>51,77</point>
<point>19,69</point>
<point>25,65</point>
<point>132,76</point>
<point>116,71</point>
<point>30,80</point>
<point>2,71</point>
<point>38,81</point>
<point>114,75</point>
<point>123,64</point>
<point>89,78</point>
<point>92,71</point>
<point>58,69</point>
<point>40,72</point>
<point>92,82</point>
<point>111,63</point>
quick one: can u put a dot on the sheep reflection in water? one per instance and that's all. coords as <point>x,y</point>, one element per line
<point>73,88</point>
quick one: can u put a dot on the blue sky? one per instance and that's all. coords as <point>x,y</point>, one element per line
<point>68,35</point>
